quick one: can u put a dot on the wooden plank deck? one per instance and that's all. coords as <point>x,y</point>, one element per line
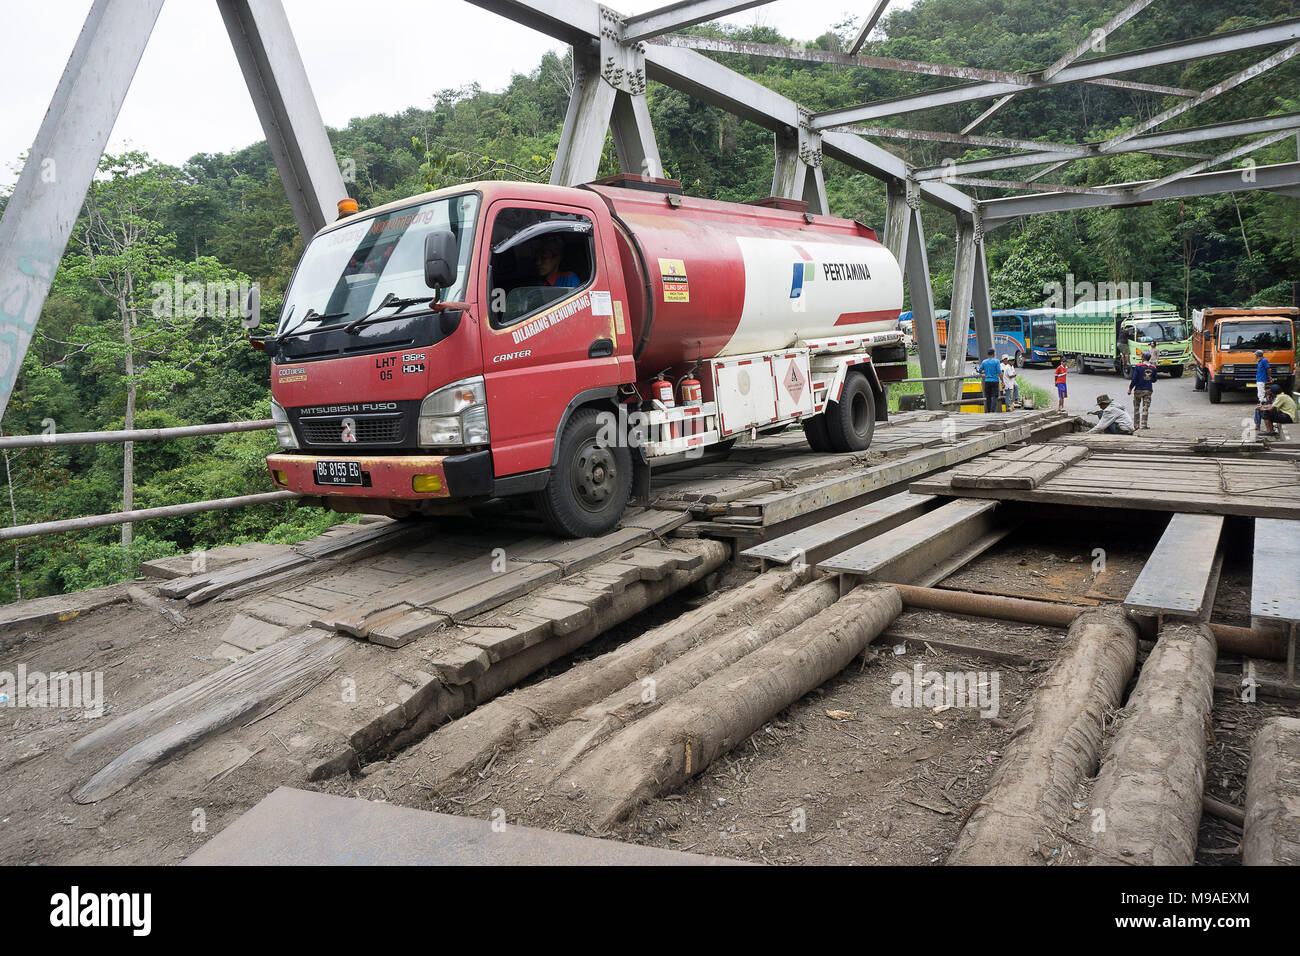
<point>1172,483</point>
<point>1178,577</point>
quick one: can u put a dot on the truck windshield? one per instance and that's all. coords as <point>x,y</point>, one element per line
<point>347,272</point>
<point>1164,331</point>
<point>1248,336</point>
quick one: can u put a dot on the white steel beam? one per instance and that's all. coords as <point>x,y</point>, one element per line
<point>47,199</point>
<point>1149,143</point>
<point>963,283</point>
<point>952,71</point>
<point>1277,59</point>
<point>1226,157</point>
<point>1234,41</point>
<point>905,239</point>
<point>582,139</point>
<point>1277,177</point>
<point>674,16</point>
<point>277,80</point>
<point>1094,38</point>
<point>873,17</point>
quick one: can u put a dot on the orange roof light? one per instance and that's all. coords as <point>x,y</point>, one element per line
<point>348,207</point>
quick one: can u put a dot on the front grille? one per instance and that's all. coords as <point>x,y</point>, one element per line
<point>1239,373</point>
<point>369,430</point>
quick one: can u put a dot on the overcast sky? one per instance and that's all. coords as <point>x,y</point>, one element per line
<point>188,95</point>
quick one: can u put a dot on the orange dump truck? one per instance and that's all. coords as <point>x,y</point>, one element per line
<point>1224,342</point>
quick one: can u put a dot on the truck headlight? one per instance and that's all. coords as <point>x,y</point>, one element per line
<point>455,414</point>
<point>283,430</point>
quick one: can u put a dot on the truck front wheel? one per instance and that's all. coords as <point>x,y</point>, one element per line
<point>590,484</point>
<point>851,421</point>
<point>1216,392</point>
<point>1176,372</point>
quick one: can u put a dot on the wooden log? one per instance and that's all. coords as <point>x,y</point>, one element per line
<point>261,688</point>
<point>1152,779</point>
<point>1055,745</point>
<point>587,728</point>
<point>1272,826</point>
<point>662,751</point>
<point>435,702</point>
<point>469,742</point>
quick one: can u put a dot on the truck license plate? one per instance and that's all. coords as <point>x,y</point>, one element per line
<point>338,472</point>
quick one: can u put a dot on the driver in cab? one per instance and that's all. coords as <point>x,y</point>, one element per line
<point>547,260</point>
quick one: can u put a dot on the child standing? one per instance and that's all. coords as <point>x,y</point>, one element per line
<point>1061,372</point>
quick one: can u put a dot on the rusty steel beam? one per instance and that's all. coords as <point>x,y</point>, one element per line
<point>951,71</point>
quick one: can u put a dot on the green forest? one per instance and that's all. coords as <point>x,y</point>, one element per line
<point>106,357</point>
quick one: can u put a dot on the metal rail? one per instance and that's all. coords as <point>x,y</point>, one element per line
<point>142,514</point>
<point>138,434</point>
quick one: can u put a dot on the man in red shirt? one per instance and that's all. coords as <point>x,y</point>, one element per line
<point>1061,371</point>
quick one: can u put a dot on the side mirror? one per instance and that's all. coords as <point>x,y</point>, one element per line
<point>440,259</point>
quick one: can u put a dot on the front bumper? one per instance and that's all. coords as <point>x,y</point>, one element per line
<point>390,476</point>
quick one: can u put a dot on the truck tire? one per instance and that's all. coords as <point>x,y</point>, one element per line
<point>814,429</point>
<point>1198,381</point>
<point>1084,367</point>
<point>590,484</point>
<point>1216,392</point>
<point>851,422</point>
<point>1176,372</point>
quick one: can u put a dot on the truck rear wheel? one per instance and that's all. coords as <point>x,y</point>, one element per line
<point>814,429</point>
<point>590,484</point>
<point>851,422</point>
<point>1216,392</point>
<point>1198,381</point>
<point>1084,367</point>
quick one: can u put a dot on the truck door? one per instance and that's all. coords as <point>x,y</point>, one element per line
<point>549,327</point>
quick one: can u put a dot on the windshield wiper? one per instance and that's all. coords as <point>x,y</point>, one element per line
<point>307,317</point>
<point>389,301</point>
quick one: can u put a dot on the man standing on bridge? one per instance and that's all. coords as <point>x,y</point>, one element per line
<point>1262,374</point>
<point>991,369</point>
<point>1140,386</point>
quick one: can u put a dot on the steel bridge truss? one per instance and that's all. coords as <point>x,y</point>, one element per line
<point>615,57</point>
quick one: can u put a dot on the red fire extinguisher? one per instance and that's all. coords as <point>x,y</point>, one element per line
<point>662,390</point>
<point>692,394</point>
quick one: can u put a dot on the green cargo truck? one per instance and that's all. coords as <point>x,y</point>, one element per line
<point>1113,333</point>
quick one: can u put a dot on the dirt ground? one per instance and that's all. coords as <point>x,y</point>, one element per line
<point>844,776</point>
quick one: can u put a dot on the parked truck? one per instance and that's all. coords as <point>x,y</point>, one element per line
<point>1224,342</point>
<point>502,339</point>
<point>1113,333</point>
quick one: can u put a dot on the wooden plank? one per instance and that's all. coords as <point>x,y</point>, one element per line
<point>820,540</point>
<point>1176,578</point>
<point>59,607</point>
<point>775,508</point>
<point>1276,570</point>
<point>1018,468</point>
<point>1284,504</point>
<point>916,546</point>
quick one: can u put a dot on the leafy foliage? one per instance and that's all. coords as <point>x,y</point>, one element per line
<point>224,217</point>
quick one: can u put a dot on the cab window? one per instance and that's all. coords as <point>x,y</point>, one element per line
<point>538,257</point>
